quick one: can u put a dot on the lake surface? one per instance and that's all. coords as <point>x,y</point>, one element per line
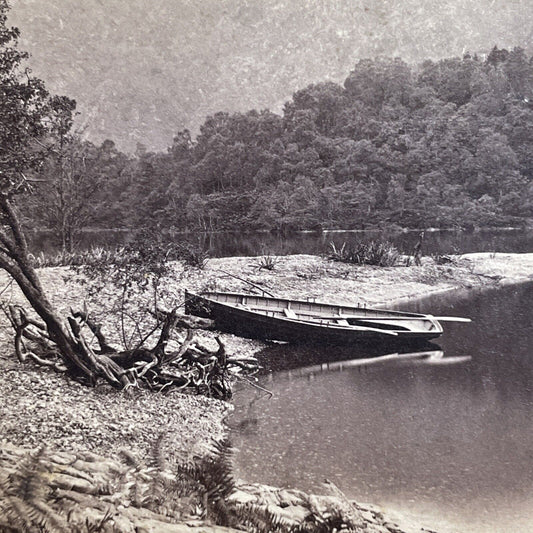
<point>254,244</point>
<point>450,443</point>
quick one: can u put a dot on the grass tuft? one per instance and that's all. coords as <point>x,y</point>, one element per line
<point>268,262</point>
<point>375,253</point>
<point>189,254</point>
<point>79,257</point>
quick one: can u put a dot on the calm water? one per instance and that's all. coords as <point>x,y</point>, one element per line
<point>452,443</point>
<point>253,244</point>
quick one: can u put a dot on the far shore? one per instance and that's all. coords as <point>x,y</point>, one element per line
<point>45,407</point>
<point>525,223</point>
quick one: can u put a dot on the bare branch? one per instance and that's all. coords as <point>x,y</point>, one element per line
<point>166,331</point>
<point>105,347</point>
<point>183,348</point>
<point>46,362</point>
<point>9,284</point>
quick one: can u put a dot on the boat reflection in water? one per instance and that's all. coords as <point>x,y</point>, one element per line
<point>425,357</point>
<point>281,358</point>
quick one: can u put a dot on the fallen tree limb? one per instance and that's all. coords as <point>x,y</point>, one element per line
<point>170,358</point>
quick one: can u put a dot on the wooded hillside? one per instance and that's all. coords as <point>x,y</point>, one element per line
<point>446,144</point>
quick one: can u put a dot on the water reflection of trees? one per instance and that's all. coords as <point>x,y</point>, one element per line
<point>229,244</point>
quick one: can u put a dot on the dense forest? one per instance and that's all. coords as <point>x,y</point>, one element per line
<point>442,144</point>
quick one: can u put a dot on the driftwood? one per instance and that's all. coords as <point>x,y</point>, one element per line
<point>192,365</point>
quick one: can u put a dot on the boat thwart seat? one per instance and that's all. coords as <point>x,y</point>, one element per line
<point>289,313</point>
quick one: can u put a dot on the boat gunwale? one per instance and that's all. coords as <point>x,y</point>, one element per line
<point>330,325</point>
<point>308,302</point>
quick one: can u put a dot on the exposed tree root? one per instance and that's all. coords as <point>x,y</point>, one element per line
<point>191,366</point>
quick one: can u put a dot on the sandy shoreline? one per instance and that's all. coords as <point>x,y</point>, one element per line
<point>40,406</point>
<point>306,275</point>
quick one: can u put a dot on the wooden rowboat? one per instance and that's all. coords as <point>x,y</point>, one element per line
<point>283,319</point>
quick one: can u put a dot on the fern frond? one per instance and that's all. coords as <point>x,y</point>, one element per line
<point>216,471</point>
<point>28,480</point>
<point>133,481</point>
<point>24,494</point>
<point>159,481</point>
<point>261,519</point>
<point>159,459</point>
<point>48,520</point>
<point>214,475</point>
<point>18,512</point>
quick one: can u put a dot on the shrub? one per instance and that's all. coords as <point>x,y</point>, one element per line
<point>268,262</point>
<point>366,253</point>
<point>190,254</point>
<point>79,257</point>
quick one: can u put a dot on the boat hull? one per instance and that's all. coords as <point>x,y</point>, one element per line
<point>248,323</point>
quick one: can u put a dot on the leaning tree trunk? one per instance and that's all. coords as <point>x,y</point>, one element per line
<point>14,258</point>
<point>192,365</point>
<point>70,345</point>
<point>56,328</point>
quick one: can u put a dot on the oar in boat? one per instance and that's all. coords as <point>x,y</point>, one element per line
<point>447,360</point>
<point>429,317</point>
<point>376,330</point>
<point>357,328</point>
<point>422,317</point>
<point>450,318</point>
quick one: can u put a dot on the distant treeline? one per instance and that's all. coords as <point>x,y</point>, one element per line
<point>443,144</point>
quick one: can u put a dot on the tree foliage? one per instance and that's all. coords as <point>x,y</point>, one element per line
<point>38,155</point>
<point>413,145</point>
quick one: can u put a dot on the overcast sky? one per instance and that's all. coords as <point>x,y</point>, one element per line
<point>141,70</point>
